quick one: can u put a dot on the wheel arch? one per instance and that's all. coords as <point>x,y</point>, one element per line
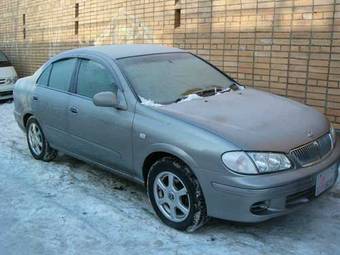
<point>26,117</point>
<point>199,209</point>
<point>162,150</point>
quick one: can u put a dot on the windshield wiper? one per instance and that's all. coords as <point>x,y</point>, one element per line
<point>181,98</point>
<point>210,91</point>
<point>202,92</point>
<point>234,86</point>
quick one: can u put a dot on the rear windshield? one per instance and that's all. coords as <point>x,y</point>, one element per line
<point>4,60</point>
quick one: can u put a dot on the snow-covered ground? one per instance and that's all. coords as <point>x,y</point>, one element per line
<point>69,207</point>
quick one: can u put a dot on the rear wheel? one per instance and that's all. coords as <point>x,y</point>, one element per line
<point>175,195</point>
<point>37,142</point>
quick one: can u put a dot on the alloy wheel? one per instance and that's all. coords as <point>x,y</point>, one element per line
<point>35,138</point>
<point>171,196</point>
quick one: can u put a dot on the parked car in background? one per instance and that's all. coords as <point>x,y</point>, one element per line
<point>8,77</point>
<point>203,145</point>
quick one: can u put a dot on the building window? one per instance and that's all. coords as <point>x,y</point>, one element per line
<point>24,25</point>
<point>76,10</point>
<point>76,27</point>
<point>177,17</point>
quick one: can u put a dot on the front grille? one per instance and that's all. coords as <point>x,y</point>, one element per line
<point>314,151</point>
<point>2,81</point>
<point>6,93</point>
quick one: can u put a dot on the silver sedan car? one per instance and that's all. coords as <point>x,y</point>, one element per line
<point>202,144</point>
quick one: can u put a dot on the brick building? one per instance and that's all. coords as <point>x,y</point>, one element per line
<point>291,48</point>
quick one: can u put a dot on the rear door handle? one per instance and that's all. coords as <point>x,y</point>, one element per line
<point>35,98</point>
<point>74,109</point>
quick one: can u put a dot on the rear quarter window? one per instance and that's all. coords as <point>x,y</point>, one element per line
<point>44,77</point>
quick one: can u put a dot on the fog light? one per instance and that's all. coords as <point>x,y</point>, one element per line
<point>259,207</point>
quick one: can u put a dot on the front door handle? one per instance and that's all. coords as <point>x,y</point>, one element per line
<point>35,98</point>
<point>74,109</point>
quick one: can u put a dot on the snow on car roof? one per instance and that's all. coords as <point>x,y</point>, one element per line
<point>128,50</point>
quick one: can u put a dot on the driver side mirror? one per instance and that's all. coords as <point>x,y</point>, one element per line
<point>107,99</point>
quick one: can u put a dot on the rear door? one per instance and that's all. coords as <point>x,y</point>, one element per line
<point>101,134</point>
<point>51,100</point>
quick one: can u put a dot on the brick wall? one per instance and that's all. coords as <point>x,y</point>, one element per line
<point>291,48</point>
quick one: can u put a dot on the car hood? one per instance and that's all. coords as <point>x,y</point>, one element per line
<point>252,119</point>
<point>7,72</point>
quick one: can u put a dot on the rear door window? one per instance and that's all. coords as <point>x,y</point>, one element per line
<point>94,78</point>
<point>61,74</point>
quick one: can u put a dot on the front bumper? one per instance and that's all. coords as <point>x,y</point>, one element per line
<point>6,91</point>
<point>259,198</point>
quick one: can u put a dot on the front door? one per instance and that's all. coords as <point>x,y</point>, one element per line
<point>101,134</point>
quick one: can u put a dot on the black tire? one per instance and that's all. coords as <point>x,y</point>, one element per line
<point>197,216</point>
<point>47,153</point>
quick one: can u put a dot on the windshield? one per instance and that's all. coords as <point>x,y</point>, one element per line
<point>4,60</point>
<point>166,78</point>
<point>3,57</point>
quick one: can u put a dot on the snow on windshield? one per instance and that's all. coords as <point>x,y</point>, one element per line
<point>186,98</point>
<point>149,102</point>
<point>190,97</point>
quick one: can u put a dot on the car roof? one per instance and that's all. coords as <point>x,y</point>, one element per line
<point>126,50</point>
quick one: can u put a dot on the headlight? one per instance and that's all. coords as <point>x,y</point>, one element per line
<point>239,161</point>
<point>270,162</point>
<point>333,134</point>
<point>255,162</point>
<point>11,80</point>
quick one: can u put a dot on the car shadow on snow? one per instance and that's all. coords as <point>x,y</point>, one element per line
<point>99,182</point>
<point>104,183</point>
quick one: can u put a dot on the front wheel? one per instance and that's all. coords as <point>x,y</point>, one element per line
<point>175,195</point>
<point>37,142</point>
